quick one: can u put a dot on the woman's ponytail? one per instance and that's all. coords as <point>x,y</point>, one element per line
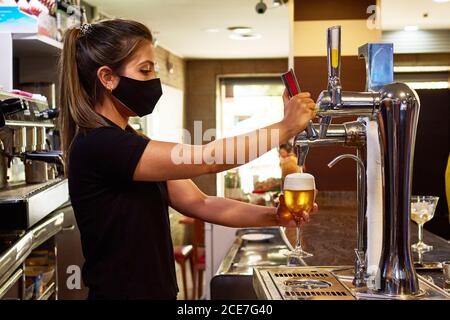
<point>77,110</point>
<point>68,81</point>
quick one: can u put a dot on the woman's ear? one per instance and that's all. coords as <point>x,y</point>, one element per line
<point>107,78</point>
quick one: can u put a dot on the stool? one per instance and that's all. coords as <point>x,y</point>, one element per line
<point>182,254</point>
<point>198,255</point>
<point>199,258</point>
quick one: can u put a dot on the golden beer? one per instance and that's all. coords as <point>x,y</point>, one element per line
<point>299,193</point>
<point>299,201</point>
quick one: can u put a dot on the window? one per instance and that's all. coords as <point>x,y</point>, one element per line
<point>247,104</point>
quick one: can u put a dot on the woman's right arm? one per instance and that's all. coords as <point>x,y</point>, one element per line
<point>170,161</point>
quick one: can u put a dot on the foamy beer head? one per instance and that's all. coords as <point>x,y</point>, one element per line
<point>299,192</point>
<point>299,182</point>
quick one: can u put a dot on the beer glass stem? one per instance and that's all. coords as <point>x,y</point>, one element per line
<point>298,244</point>
<point>420,236</point>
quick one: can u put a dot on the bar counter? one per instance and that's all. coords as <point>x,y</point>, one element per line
<point>330,236</point>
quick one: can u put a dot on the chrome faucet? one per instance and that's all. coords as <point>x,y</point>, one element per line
<point>348,134</point>
<point>334,74</point>
<point>359,279</point>
<point>395,108</point>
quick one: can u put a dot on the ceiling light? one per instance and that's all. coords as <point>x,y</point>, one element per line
<point>277,3</point>
<point>411,28</point>
<point>241,30</point>
<point>252,36</point>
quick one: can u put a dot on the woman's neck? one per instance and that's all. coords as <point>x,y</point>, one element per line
<point>108,110</point>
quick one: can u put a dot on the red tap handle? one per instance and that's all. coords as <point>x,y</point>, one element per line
<point>291,83</point>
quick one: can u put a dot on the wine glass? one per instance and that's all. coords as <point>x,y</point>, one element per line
<point>422,211</point>
<point>299,193</point>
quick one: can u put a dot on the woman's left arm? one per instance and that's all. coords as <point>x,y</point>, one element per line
<point>189,200</point>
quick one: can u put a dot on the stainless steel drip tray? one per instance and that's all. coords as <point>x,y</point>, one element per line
<point>324,283</point>
<point>298,283</point>
<point>22,206</point>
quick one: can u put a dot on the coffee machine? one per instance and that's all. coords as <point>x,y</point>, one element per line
<point>29,163</point>
<point>384,138</point>
<point>32,188</point>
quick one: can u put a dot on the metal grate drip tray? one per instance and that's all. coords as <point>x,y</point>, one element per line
<point>291,283</point>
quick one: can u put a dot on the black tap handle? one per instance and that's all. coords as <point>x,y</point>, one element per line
<point>10,106</point>
<point>49,114</point>
<point>45,156</point>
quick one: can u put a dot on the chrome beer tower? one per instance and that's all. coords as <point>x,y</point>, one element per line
<point>395,109</point>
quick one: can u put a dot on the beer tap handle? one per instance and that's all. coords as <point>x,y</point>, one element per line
<point>293,88</point>
<point>334,74</point>
<point>334,60</point>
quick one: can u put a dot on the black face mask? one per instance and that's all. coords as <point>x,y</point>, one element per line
<point>140,97</point>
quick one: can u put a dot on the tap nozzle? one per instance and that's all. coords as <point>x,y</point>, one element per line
<point>302,150</point>
<point>324,125</point>
<point>311,132</point>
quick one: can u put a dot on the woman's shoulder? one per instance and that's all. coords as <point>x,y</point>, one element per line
<point>105,139</point>
<point>92,137</point>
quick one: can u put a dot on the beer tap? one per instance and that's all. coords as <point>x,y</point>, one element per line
<point>395,108</point>
<point>302,149</point>
<point>349,134</point>
<point>334,74</point>
<point>334,89</point>
<point>293,88</point>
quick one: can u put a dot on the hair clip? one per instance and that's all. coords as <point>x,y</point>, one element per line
<point>85,28</point>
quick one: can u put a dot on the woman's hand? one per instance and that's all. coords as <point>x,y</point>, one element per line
<point>298,110</point>
<point>286,219</point>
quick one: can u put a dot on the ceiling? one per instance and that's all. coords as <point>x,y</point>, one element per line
<point>180,25</point>
<point>396,14</point>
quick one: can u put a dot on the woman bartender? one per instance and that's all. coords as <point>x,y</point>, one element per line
<point>121,183</point>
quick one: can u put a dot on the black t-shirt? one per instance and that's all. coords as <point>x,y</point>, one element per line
<point>124,224</point>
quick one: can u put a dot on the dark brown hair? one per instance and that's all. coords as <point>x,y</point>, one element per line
<point>108,43</point>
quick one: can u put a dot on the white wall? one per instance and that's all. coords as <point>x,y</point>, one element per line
<point>6,61</point>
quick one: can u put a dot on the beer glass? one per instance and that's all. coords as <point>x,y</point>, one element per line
<point>299,192</point>
<point>422,211</point>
